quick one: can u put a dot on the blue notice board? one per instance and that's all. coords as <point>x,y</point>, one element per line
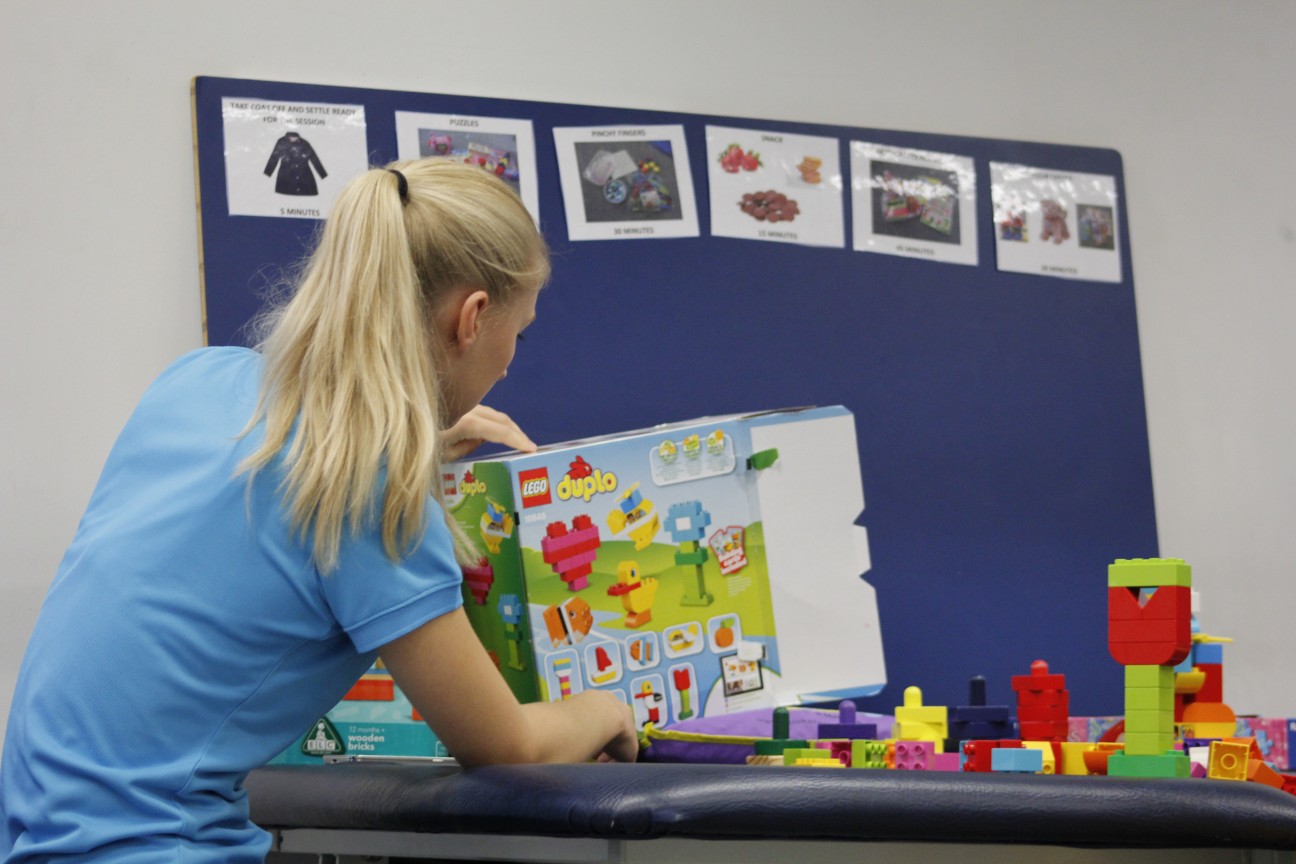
<point>1000,415</point>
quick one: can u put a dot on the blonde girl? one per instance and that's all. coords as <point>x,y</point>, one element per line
<point>268,524</point>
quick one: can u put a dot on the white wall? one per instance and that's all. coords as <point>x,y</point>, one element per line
<point>98,241</point>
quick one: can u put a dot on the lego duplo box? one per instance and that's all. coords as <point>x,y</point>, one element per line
<point>691,569</point>
<point>373,719</point>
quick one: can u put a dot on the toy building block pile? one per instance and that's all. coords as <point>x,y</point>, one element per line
<point>1176,723</point>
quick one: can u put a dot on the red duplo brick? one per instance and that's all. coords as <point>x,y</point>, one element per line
<point>1149,631</point>
<point>1168,602</point>
<point>1147,653</point>
<point>1042,731</point>
<point>1042,698</point>
<point>1051,714</point>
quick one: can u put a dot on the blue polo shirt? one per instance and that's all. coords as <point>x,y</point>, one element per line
<point>186,638</point>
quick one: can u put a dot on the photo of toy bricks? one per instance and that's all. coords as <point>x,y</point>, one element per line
<point>914,202</point>
<point>493,152</point>
<point>628,181</point>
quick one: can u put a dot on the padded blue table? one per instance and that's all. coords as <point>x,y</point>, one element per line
<point>668,813</point>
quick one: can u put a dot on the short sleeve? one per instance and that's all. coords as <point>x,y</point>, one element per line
<point>376,600</point>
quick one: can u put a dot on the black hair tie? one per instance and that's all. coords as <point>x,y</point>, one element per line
<point>402,185</point>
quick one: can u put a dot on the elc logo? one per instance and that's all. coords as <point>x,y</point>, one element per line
<point>535,487</point>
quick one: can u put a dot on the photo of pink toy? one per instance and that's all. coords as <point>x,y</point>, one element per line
<point>1055,215</point>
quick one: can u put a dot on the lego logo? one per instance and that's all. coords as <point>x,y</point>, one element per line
<point>535,487</point>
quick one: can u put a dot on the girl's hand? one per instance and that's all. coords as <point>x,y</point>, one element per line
<point>623,740</point>
<point>484,724</point>
<point>480,425</point>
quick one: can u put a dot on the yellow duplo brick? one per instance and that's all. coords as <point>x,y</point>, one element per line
<point>1228,760</point>
<point>1073,757</point>
<point>818,763</point>
<point>764,760</point>
<point>917,722</point>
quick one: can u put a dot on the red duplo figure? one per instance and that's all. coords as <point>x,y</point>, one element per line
<point>1153,630</point>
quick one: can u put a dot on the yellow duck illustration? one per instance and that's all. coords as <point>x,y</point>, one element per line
<point>636,592</point>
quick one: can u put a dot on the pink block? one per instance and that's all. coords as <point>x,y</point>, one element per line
<point>946,762</point>
<point>575,561</point>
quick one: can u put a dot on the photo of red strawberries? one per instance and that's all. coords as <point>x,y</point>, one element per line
<point>735,159</point>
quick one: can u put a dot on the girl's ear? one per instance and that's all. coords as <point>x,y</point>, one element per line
<point>462,321</point>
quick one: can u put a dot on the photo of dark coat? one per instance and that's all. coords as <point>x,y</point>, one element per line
<point>295,157</point>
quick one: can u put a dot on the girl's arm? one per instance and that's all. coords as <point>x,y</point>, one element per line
<point>449,678</point>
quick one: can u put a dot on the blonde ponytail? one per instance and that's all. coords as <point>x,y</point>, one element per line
<point>351,395</point>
